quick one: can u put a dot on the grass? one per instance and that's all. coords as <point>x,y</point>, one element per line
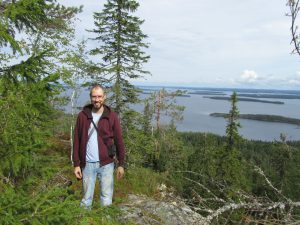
<point>138,181</point>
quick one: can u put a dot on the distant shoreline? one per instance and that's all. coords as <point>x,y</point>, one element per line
<point>221,89</point>
<point>262,117</point>
<point>244,99</point>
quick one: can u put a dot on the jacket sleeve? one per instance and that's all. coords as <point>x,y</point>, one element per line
<point>119,140</point>
<point>76,143</point>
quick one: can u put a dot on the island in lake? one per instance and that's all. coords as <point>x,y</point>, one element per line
<point>244,99</point>
<point>262,117</point>
<point>206,93</point>
<point>278,96</point>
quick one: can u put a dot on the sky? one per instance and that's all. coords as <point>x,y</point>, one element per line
<point>205,43</point>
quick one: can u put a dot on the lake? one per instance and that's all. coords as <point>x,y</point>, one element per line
<point>199,106</point>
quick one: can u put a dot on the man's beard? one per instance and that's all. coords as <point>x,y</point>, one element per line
<point>97,105</point>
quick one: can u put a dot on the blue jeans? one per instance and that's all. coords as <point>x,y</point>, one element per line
<point>105,175</point>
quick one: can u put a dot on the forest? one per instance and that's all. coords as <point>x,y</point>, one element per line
<point>227,180</point>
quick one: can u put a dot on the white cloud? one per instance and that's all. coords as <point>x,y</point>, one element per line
<point>294,82</point>
<point>249,76</point>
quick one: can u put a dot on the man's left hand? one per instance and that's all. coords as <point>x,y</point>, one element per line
<point>120,172</point>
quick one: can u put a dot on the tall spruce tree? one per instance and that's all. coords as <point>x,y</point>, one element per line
<point>121,44</point>
<point>230,168</point>
<point>232,134</point>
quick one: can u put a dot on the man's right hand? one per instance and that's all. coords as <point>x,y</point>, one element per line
<point>77,171</point>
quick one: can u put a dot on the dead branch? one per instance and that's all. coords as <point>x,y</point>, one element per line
<point>294,9</point>
<point>258,209</point>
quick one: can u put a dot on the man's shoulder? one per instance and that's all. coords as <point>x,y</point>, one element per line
<point>82,114</point>
<point>113,117</point>
<point>85,111</point>
<point>113,113</point>
<point>109,111</point>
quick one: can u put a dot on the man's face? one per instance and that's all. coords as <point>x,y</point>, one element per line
<point>97,98</point>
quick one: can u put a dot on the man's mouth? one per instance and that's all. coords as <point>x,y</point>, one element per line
<point>97,103</point>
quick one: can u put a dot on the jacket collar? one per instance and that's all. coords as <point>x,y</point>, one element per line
<point>87,110</point>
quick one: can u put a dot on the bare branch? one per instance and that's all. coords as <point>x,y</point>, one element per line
<point>258,210</point>
<point>260,172</point>
<point>294,9</point>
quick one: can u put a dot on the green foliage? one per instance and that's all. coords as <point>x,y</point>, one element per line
<point>280,163</point>
<point>204,158</point>
<point>231,170</point>
<point>50,206</point>
<point>207,165</point>
<point>210,166</point>
<point>207,185</point>
<point>120,42</point>
<point>50,195</point>
<point>147,118</point>
<point>138,146</point>
<point>29,88</point>
<point>30,16</point>
<point>27,114</point>
<point>170,151</point>
<point>222,162</point>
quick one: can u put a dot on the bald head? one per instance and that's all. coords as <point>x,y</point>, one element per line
<point>97,87</point>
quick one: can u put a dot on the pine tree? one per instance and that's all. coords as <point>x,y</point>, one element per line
<point>120,42</point>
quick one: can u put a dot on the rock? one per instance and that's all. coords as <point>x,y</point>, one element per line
<point>142,210</point>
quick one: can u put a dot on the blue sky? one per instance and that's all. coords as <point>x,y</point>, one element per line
<point>206,43</point>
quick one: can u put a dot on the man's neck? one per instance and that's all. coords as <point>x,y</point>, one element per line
<point>98,111</point>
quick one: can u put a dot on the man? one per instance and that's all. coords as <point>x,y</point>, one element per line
<point>97,129</point>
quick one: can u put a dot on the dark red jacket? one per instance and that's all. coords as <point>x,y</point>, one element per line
<point>109,129</point>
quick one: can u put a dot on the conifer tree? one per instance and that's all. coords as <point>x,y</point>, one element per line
<point>232,134</point>
<point>120,46</point>
<point>230,168</point>
<point>147,118</point>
